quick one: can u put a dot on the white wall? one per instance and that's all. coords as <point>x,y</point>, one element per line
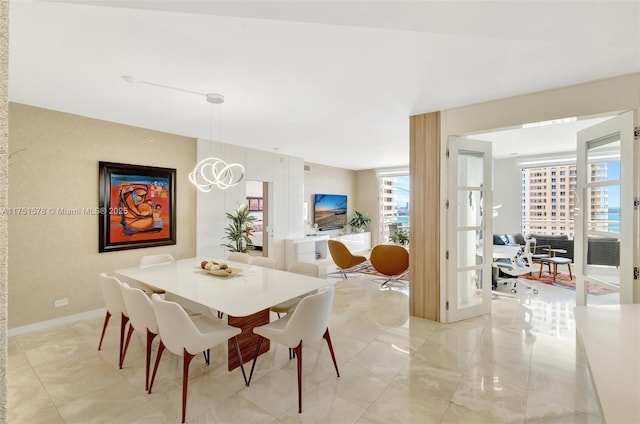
<point>253,188</point>
<point>285,175</point>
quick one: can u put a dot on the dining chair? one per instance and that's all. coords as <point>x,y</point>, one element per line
<point>391,260</point>
<point>307,324</point>
<point>343,258</point>
<point>112,294</point>
<point>159,259</point>
<point>142,319</point>
<point>297,267</point>
<point>186,336</point>
<point>240,257</point>
<point>262,261</point>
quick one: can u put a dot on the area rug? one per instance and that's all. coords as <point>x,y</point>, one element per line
<point>563,280</point>
<point>366,268</point>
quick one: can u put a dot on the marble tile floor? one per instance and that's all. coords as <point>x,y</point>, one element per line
<point>518,365</point>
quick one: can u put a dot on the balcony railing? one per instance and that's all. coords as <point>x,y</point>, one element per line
<point>565,226</point>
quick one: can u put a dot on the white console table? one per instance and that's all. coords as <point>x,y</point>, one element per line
<point>609,335</point>
<point>314,248</point>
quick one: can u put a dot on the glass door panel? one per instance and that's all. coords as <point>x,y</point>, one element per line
<point>603,222</point>
<point>469,176</point>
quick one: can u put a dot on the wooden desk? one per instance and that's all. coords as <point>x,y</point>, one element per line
<point>245,298</point>
<point>611,339</point>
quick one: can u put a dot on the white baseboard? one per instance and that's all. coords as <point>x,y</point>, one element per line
<point>58,322</point>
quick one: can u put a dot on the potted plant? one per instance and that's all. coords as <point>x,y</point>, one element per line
<point>360,221</point>
<point>400,237</point>
<point>238,232</point>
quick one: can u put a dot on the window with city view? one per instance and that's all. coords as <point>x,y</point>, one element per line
<point>549,201</point>
<point>394,204</point>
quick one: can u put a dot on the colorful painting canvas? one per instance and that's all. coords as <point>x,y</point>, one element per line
<point>137,205</point>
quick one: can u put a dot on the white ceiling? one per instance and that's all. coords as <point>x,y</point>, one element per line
<point>333,82</point>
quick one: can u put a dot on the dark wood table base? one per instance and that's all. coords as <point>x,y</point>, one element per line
<point>247,341</point>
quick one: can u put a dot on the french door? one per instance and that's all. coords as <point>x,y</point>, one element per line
<point>469,230</point>
<point>604,241</point>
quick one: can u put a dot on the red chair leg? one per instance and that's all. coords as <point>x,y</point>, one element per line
<point>327,337</point>
<point>185,381</point>
<point>298,351</point>
<point>123,325</point>
<point>150,337</point>
<point>570,274</point>
<point>155,368</point>
<point>126,344</point>
<point>104,328</point>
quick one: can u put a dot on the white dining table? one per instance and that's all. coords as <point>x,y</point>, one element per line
<point>245,298</point>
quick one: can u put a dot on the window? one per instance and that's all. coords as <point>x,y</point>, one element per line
<point>539,215</point>
<point>394,200</point>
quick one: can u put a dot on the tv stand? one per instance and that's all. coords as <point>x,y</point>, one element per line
<point>313,247</point>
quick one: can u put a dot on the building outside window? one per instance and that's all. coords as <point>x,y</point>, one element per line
<point>539,200</point>
<point>394,202</point>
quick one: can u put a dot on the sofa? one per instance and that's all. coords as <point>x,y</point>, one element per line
<point>601,250</point>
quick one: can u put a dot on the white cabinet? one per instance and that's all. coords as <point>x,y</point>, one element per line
<point>314,248</point>
<point>356,242</point>
<point>307,249</point>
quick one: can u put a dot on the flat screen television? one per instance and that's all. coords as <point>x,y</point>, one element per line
<point>330,211</point>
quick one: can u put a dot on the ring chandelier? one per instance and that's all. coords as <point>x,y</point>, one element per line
<point>210,172</point>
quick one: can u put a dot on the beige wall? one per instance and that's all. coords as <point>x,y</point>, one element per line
<point>54,164</point>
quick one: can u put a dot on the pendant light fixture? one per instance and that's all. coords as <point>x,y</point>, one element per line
<point>210,172</point>
<point>214,172</point>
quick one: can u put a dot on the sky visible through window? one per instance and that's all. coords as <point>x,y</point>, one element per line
<point>402,195</point>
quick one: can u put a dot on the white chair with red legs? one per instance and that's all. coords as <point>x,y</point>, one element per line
<point>142,319</point>
<point>297,267</point>
<point>187,336</point>
<point>307,324</point>
<point>262,261</point>
<point>159,259</point>
<point>112,294</point>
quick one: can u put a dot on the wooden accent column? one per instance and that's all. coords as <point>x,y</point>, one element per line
<point>424,170</point>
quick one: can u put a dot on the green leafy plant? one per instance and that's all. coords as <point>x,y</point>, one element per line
<point>360,220</point>
<point>238,232</point>
<point>400,237</point>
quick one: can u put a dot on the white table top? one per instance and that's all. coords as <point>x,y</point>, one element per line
<point>611,339</point>
<point>254,289</point>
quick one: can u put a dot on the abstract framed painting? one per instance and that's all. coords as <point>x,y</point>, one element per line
<point>137,206</point>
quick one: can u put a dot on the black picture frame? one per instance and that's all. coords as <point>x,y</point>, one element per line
<point>254,203</point>
<point>137,206</point>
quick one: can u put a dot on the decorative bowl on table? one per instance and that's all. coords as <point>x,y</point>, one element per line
<point>219,269</point>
